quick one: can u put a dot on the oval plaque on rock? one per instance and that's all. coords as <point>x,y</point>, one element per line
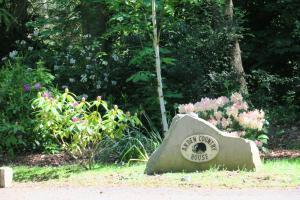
<point>200,148</point>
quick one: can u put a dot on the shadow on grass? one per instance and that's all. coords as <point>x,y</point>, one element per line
<point>38,174</point>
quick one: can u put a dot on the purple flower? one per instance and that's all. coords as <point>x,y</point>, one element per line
<point>75,119</point>
<point>37,86</point>
<point>26,87</point>
<point>75,104</point>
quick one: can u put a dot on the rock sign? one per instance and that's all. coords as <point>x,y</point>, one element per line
<point>193,144</point>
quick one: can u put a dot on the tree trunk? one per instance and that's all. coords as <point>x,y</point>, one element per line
<point>158,69</point>
<point>93,18</point>
<point>236,58</point>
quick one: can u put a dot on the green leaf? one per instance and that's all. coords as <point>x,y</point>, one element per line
<point>168,61</point>
<point>174,95</point>
<point>141,76</point>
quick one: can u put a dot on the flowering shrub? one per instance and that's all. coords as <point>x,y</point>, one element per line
<point>231,115</point>
<point>19,84</point>
<point>80,126</point>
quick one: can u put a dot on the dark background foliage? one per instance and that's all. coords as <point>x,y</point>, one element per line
<point>104,47</point>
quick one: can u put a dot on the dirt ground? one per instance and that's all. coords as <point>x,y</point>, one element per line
<point>63,159</point>
<point>22,192</point>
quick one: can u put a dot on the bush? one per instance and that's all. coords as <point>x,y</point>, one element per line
<point>19,84</point>
<point>80,126</point>
<point>233,116</point>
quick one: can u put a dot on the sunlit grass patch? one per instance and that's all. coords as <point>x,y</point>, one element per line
<point>273,174</point>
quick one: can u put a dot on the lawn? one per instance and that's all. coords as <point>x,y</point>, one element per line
<point>274,174</point>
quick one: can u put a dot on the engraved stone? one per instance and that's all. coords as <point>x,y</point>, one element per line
<point>193,144</point>
<point>199,148</point>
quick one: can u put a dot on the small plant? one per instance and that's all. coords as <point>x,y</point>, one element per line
<point>80,126</point>
<point>231,115</point>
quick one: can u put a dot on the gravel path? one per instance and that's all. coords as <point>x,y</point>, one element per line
<point>129,193</point>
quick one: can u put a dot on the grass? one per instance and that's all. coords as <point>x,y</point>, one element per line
<point>274,174</point>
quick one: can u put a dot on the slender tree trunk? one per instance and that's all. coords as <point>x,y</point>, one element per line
<point>158,69</point>
<point>236,58</point>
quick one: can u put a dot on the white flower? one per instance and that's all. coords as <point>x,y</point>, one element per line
<point>30,48</point>
<point>114,83</point>
<point>72,80</point>
<point>83,78</point>
<point>13,54</point>
<point>72,61</point>
<point>4,58</point>
<point>36,32</point>
<point>88,66</point>
<point>87,36</point>
<point>56,67</point>
<point>92,77</point>
<point>105,63</point>
<point>23,42</point>
<point>98,84</point>
<point>29,36</point>
<point>115,57</point>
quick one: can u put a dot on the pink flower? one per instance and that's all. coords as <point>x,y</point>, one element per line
<point>232,111</point>
<point>221,101</point>
<point>258,143</point>
<point>213,121</point>
<point>226,122</point>
<point>236,97</point>
<point>186,108</point>
<point>241,105</point>
<point>207,104</point>
<point>218,115</point>
<point>46,95</point>
<point>75,119</point>
<point>75,104</point>
<point>253,119</point>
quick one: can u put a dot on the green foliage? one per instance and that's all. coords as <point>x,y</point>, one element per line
<point>136,145</point>
<point>19,84</point>
<point>80,126</point>
<point>105,47</point>
<point>271,56</point>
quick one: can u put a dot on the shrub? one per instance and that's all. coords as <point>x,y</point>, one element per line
<point>80,126</point>
<point>19,84</point>
<point>231,115</point>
